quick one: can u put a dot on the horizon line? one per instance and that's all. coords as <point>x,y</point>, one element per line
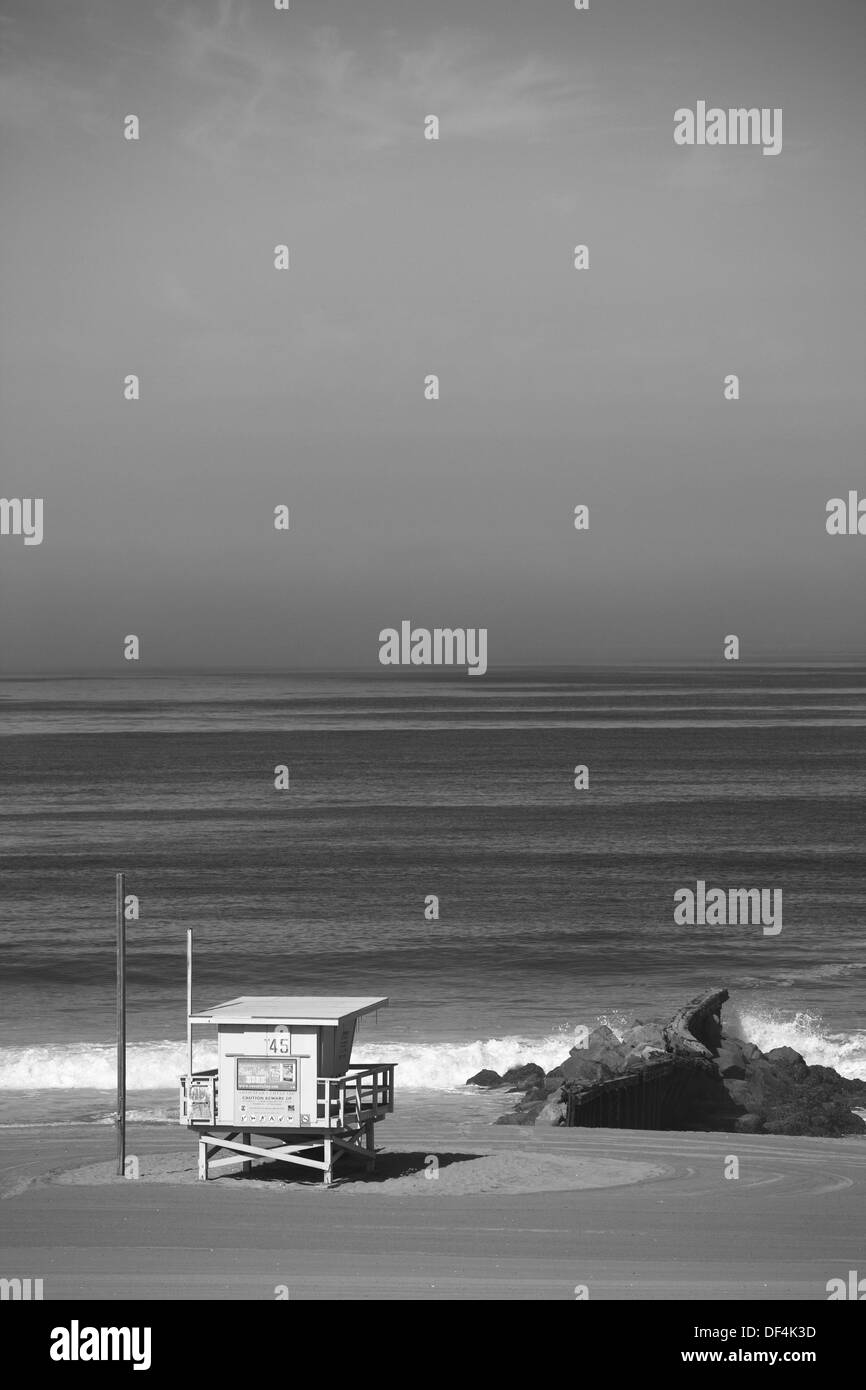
<point>433,674</point>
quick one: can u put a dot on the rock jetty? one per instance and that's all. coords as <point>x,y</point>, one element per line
<point>684,1073</point>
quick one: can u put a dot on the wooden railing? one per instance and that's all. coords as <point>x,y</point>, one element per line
<point>205,1091</point>
<point>364,1093</point>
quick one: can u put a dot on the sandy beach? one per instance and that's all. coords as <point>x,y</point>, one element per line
<point>636,1215</point>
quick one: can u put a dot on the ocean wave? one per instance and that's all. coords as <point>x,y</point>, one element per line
<point>156,1066</point>
<point>423,1066</point>
<point>150,1066</point>
<point>806,1033</point>
<point>444,1066</point>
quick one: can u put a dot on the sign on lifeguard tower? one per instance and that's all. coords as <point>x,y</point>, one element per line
<point>284,1074</point>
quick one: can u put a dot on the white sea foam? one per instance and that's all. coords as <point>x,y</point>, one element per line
<point>444,1066</point>
<point>430,1066</point>
<point>151,1066</point>
<point>806,1033</point>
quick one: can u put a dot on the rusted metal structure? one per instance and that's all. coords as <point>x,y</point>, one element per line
<point>652,1097</point>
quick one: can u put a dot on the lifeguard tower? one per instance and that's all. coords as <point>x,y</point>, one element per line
<point>284,1085</point>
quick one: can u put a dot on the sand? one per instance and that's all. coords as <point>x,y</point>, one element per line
<point>399,1172</point>
<point>514,1214</point>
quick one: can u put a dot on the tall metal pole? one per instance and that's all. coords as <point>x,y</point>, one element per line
<point>121,1023</point>
<point>188,1009</point>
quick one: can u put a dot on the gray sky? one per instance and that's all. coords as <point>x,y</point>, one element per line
<point>409,257</point>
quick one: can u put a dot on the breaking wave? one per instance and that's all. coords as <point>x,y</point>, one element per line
<point>156,1066</point>
<point>806,1033</point>
<point>431,1066</point>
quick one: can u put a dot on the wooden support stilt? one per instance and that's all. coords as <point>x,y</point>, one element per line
<point>370,1144</point>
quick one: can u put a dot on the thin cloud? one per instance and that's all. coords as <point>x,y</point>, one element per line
<point>252,90</point>
<point>232,79</point>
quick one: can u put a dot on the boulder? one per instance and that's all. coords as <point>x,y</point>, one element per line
<point>736,1090</point>
<point>523,1078</point>
<point>600,1037</point>
<point>793,1098</point>
<point>748,1124</point>
<point>553,1112</point>
<point>485,1077</point>
<point>833,1119</point>
<point>761,1090</point>
<point>786,1057</point>
<point>614,1058</point>
<point>642,1035</point>
<point>732,1059</point>
<point>636,1061</point>
<point>603,1046</point>
<point>582,1067</point>
<point>749,1051</point>
<point>536,1094</point>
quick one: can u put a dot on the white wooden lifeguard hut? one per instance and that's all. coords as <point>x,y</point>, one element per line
<point>284,1085</point>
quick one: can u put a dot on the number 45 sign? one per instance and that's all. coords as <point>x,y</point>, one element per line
<point>277,1043</point>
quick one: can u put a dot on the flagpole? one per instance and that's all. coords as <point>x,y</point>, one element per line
<point>120,911</point>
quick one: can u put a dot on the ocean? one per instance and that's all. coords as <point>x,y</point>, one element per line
<point>555,904</point>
